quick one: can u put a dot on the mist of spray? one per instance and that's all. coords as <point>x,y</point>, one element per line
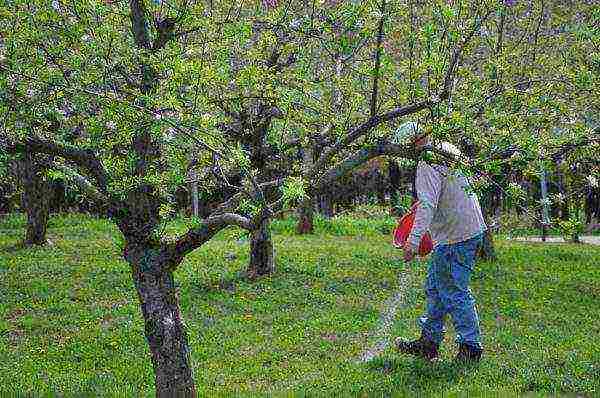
<point>381,336</point>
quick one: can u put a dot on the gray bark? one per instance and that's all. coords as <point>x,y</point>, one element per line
<point>35,200</point>
<point>163,325</point>
<point>262,254</point>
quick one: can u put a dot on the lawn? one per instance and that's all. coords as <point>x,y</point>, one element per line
<point>70,322</point>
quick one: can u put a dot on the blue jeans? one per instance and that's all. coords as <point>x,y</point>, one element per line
<point>447,291</point>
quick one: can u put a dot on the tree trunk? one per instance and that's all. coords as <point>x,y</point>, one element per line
<point>305,217</point>
<point>262,255</point>
<point>326,206</point>
<point>164,329</point>
<point>306,209</point>
<point>395,175</point>
<point>36,192</point>
<point>486,251</point>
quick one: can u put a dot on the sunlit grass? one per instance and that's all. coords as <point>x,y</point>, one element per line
<point>70,322</point>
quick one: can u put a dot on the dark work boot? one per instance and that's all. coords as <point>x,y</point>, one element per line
<point>468,354</point>
<point>422,347</point>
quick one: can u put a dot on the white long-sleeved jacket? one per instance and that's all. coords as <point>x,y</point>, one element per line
<point>448,210</point>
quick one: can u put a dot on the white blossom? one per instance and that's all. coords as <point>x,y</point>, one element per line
<point>560,197</point>
<point>593,181</point>
<point>111,125</point>
<point>450,148</point>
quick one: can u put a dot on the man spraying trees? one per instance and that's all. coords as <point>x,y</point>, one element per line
<point>451,213</point>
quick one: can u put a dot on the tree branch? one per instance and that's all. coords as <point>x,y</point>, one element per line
<point>82,183</point>
<point>234,201</point>
<point>377,62</point>
<point>86,159</point>
<point>139,23</point>
<point>358,158</point>
<point>364,128</point>
<point>445,94</point>
<point>198,236</point>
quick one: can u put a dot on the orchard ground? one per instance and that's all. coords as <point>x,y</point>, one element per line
<point>70,322</point>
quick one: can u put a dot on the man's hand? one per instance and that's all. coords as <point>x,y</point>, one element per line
<point>409,254</point>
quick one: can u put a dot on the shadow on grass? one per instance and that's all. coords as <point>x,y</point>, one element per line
<point>227,283</point>
<point>14,248</point>
<point>21,246</point>
<point>417,374</point>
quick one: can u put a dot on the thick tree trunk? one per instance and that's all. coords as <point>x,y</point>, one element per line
<point>164,328</point>
<point>262,254</point>
<point>35,200</point>
<point>305,217</point>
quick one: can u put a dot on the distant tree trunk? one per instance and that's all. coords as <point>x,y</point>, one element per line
<point>564,207</point>
<point>487,251</point>
<point>306,210</point>
<point>35,200</point>
<point>305,217</point>
<point>589,205</point>
<point>194,193</point>
<point>262,254</point>
<point>326,206</point>
<point>163,325</point>
<point>577,210</point>
<point>395,177</point>
<point>57,196</point>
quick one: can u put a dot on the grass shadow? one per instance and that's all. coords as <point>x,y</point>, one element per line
<point>11,249</point>
<point>420,375</point>
<point>226,283</point>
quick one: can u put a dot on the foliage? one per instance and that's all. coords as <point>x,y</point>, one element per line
<point>84,83</point>
<point>293,191</point>
<point>573,227</point>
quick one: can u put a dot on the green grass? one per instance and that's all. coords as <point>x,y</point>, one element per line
<point>70,322</point>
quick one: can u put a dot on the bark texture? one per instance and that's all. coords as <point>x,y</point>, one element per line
<point>262,255</point>
<point>164,328</point>
<point>35,200</point>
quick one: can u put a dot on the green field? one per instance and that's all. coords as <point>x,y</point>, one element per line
<point>70,323</point>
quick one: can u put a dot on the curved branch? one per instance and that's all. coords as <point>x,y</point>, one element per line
<point>198,236</point>
<point>360,157</point>
<point>82,183</point>
<point>364,128</point>
<point>445,94</point>
<point>86,159</point>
